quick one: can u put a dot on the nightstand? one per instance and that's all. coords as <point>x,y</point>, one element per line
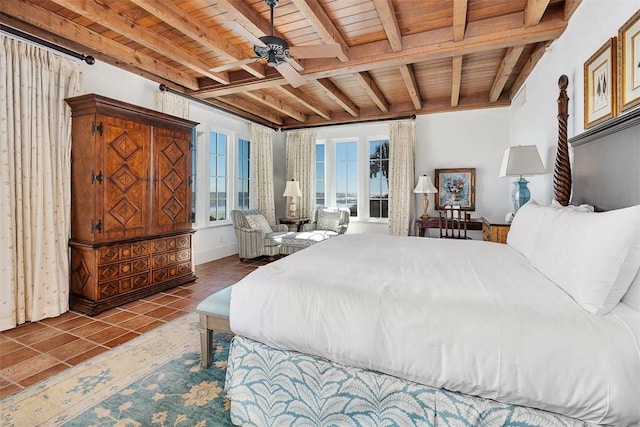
<point>294,224</point>
<point>494,231</point>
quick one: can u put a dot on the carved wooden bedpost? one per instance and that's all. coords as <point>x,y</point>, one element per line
<point>562,173</point>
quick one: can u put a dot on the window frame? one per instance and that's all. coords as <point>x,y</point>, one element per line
<point>201,181</point>
<point>363,142</point>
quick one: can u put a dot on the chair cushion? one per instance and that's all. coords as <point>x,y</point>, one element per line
<point>258,222</point>
<point>275,238</point>
<point>307,238</point>
<point>329,220</point>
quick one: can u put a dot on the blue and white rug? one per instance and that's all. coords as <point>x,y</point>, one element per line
<point>153,380</point>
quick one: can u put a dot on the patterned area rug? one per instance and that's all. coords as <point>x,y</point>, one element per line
<point>155,379</point>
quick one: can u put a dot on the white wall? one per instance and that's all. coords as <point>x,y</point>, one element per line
<point>533,117</point>
<point>469,139</point>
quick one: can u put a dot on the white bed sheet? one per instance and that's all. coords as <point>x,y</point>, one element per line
<point>467,316</point>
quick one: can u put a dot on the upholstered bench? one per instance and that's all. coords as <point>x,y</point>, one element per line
<point>214,315</point>
<point>293,242</point>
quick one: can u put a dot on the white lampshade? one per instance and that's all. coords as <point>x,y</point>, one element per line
<point>425,185</point>
<point>521,160</point>
<point>292,189</point>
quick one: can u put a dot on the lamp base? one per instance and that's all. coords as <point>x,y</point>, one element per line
<point>520,194</point>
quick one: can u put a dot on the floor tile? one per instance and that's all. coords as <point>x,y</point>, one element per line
<point>34,351</point>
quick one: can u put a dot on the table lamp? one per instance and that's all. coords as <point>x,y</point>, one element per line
<point>292,191</point>
<point>521,160</point>
<point>426,187</point>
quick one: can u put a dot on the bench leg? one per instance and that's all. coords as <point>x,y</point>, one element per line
<point>206,343</point>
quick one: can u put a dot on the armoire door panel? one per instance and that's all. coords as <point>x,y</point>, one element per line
<point>172,193</point>
<point>125,187</point>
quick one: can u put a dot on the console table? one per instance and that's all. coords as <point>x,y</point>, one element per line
<point>294,224</point>
<point>434,222</point>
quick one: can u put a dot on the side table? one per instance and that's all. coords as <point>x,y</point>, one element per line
<point>494,231</point>
<point>294,224</point>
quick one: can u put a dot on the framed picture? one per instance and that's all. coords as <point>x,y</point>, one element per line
<point>629,63</point>
<point>456,187</point>
<point>600,85</point>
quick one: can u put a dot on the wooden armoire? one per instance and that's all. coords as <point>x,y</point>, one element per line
<point>131,233</point>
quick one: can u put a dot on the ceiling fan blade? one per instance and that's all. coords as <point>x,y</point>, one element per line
<point>290,74</point>
<point>234,64</point>
<point>330,50</point>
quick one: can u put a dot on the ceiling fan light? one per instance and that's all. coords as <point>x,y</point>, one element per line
<point>272,60</point>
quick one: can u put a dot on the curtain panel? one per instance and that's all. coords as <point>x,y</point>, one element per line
<point>261,173</point>
<point>402,136</point>
<point>301,166</point>
<point>172,104</point>
<point>35,181</point>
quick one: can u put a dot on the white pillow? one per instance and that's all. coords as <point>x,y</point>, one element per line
<point>583,207</point>
<point>259,222</point>
<point>524,227</point>
<point>632,297</point>
<point>586,253</point>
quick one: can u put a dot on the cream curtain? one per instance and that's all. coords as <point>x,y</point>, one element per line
<point>35,181</point>
<point>261,164</point>
<point>402,136</point>
<point>301,166</point>
<point>172,104</point>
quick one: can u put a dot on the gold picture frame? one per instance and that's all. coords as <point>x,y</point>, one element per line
<point>629,63</point>
<point>600,92</point>
<point>456,187</point>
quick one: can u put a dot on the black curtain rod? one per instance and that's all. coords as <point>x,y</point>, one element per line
<point>353,122</point>
<point>165,88</point>
<point>15,32</point>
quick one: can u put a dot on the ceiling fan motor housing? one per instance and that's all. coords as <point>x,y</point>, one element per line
<point>275,51</point>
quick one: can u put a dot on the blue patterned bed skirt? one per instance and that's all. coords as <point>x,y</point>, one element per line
<point>269,387</point>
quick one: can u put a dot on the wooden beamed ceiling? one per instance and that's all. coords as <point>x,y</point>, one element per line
<point>389,58</point>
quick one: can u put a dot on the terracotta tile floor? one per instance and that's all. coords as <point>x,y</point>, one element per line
<point>34,351</point>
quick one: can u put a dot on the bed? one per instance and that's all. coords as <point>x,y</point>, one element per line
<point>376,330</point>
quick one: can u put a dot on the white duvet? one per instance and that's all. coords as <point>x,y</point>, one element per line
<point>468,316</point>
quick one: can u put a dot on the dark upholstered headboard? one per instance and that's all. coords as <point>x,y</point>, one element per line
<point>606,163</point>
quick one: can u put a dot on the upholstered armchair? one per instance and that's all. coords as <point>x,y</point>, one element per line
<point>256,237</point>
<point>333,221</point>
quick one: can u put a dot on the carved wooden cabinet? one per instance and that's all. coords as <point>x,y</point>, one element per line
<point>131,232</point>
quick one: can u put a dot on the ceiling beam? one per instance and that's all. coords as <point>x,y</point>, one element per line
<point>305,100</point>
<point>506,68</point>
<point>400,110</point>
<point>102,14</point>
<point>409,79</point>
<point>456,80</point>
<point>205,36</point>
<point>252,108</point>
<point>320,22</point>
<point>372,90</point>
<point>528,67</point>
<point>387,16</point>
<point>277,105</point>
<point>459,19</point>
<point>533,12</point>
<point>570,6</point>
<point>431,45</point>
<point>101,47</point>
<point>337,95</point>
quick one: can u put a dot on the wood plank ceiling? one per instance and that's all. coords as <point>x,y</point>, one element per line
<point>395,58</point>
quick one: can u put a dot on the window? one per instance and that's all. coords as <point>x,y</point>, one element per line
<point>320,179</point>
<point>354,173</point>
<point>217,177</point>
<point>379,179</point>
<point>347,176</point>
<point>243,174</point>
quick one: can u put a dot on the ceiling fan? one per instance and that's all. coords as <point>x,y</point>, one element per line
<point>279,54</point>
